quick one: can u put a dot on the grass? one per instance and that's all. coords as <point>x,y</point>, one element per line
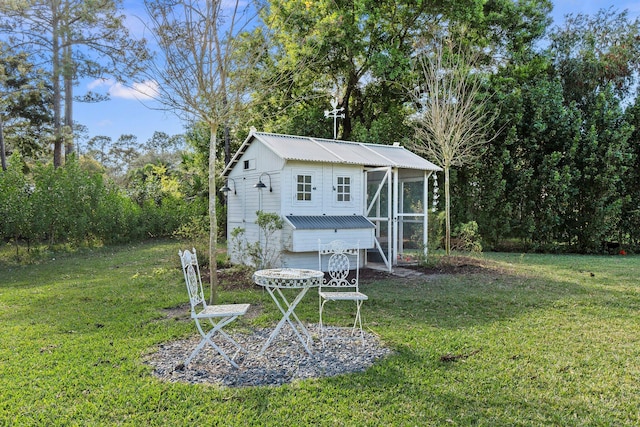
<point>528,340</point>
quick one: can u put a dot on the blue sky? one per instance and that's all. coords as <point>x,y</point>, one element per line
<point>129,112</point>
<point>564,7</point>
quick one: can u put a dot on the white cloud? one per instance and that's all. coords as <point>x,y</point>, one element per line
<point>99,83</point>
<point>139,91</point>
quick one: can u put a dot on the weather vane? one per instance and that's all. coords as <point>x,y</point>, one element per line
<point>334,114</point>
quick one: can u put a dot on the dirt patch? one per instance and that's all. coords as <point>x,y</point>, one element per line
<point>179,313</point>
<point>456,265</point>
<point>233,278</point>
<point>237,278</point>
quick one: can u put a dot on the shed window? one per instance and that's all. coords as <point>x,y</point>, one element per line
<point>343,189</point>
<point>250,164</point>
<point>303,188</point>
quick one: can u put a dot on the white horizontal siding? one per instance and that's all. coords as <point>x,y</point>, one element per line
<point>310,260</point>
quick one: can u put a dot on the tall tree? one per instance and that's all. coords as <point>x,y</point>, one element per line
<point>121,157</point>
<point>630,215</point>
<point>361,50</point>
<point>24,104</point>
<point>352,44</point>
<point>452,122</point>
<point>598,59</point>
<point>203,72</point>
<point>535,156</point>
<point>77,38</point>
<point>98,148</point>
<point>593,53</point>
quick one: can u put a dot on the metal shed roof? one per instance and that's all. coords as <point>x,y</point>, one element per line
<point>303,148</point>
<point>328,222</point>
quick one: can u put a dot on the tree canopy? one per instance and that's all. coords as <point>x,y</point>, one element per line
<point>562,173</point>
<point>71,39</point>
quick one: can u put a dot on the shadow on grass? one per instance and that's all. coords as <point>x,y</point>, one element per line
<point>470,298</point>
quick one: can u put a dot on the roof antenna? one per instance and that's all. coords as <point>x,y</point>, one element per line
<point>334,114</point>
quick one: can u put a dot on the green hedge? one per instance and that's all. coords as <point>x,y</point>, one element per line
<point>72,205</point>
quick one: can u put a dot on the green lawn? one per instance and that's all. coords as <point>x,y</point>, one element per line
<point>531,340</point>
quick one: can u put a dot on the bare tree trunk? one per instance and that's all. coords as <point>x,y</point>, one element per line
<point>454,117</point>
<point>447,212</point>
<point>197,40</point>
<point>213,226</point>
<point>227,136</point>
<point>347,126</point>
<point>3,154</point>
<point>68,101</point>
<point>227,145</point>
<point>57,135</point>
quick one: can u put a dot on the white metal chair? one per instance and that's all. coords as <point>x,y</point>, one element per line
<point>338,287</point>
<point>217,315</point>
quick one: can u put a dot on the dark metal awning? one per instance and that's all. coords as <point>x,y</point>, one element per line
<point>324,222</point>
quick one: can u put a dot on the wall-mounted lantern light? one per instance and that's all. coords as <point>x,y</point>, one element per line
<point>261,185</point>
<point>226,188</point>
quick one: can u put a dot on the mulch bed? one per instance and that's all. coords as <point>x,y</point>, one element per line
<point>241,278</point>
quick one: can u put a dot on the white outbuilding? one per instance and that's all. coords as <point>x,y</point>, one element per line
<point>372,195</point>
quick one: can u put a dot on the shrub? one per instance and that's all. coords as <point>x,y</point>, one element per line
<point>263,253</point>
<point>15,203</point>
<point>76,206</point>
<point>465,237</point>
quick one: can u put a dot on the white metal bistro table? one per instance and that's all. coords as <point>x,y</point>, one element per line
<point>277,279</point>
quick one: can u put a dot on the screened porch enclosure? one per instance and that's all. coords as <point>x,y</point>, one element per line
<point>397,203</point>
